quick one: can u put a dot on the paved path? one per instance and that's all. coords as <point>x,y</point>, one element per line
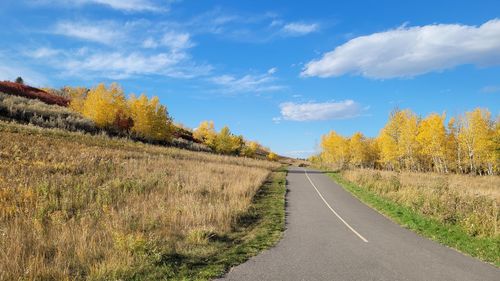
<point>332,236</point>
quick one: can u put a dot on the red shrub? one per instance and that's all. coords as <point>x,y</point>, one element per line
<point>16,89</point>
<point>184,134</point>
<point>123,122</point>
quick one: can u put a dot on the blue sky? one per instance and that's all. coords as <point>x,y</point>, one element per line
<point>280,72</point>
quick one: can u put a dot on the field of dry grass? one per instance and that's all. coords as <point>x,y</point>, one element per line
<point>74,206</point>
<point>471,202</point>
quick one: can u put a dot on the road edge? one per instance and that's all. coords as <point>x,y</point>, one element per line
<point>269,208</point>
<point>453,237</point>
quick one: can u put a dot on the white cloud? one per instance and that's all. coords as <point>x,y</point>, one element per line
<point>272,70</point>
<point>215,22</point>
<point>127,5</point>
<point>121,5</point>
<point>411,51</point>
<point>149,43</point>
<point>122,57</point>
<point>43,52</point>
<point>277,120</point>
<point>250,28</point>
<point>90,63</point>
<point>276,23</point>
<point>119,65</point>
<point>103,32</point>
<point>490,89</point>
<point>246,83</point>
<point>172,40</point>
<point>320,111</point>
<point>125,64</point>
<point>297,28</point>
<point>176,41</point>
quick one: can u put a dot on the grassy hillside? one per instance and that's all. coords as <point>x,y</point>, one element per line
<point>74,206</point>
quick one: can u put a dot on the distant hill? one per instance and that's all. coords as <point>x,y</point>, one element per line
<point>51,111</point>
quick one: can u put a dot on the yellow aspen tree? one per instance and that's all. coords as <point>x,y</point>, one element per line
<point>224,142</point>
<point>358,150</point>
<point>237,144</point>
<point>250,149</point>
<point>206,133</point>
<point>373,152</point>
<point>272,156</point>
<point>388,141</point>
<point>103,105</point>
<point>475,137</point>
<point>151,120</point>
<point>408,145</point>
<point>77,97</point>
<point>162,123</point>
<point>335,149</point>
<point>142,122</point>
<point>120,106</point>
<point>432,141</point>
<point>454,152</point>
<point>495,148</point>
<point>483,128</point>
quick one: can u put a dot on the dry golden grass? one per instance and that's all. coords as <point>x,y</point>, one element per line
<point>471,202</point>
<point>79,207</point>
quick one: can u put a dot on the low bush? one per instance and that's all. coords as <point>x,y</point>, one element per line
<point>41,114</point>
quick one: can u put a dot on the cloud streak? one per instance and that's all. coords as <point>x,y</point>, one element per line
<point>128,5</point>
<point>172,40</point>
<point>490,89</point>
<point>299,29</point>
<point>313,111</point>
<point>411,51</point>
<point>118,65</point>
<point>256,83</point>
<point>87,63</point>
<point>250,28</point>
<point>128,51</point>
<point>121,5</point>
<point>104,32</point>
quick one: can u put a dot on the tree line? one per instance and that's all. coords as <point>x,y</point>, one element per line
<point>224,142</point>
<point>147,119</point>
<point>468,143</point>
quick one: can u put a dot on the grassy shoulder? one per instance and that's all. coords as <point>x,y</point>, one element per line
<point>256,230</point>
<point>486,249</point>
<point>259,229</point>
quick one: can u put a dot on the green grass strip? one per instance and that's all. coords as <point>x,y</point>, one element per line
<point>269,208</point>
<point>486,249</point>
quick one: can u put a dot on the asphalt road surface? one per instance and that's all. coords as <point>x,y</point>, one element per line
<point>331,235</point>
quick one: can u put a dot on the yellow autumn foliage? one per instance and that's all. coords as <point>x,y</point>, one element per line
<point>77,96</point>
<point>468,144</point>
<point>272,156</point>
<point>105,105</point>
<point>151,120</point>
<point>224,142</point>
<point>206,133</point>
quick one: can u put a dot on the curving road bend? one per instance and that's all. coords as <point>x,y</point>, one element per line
<point>332,236</point>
